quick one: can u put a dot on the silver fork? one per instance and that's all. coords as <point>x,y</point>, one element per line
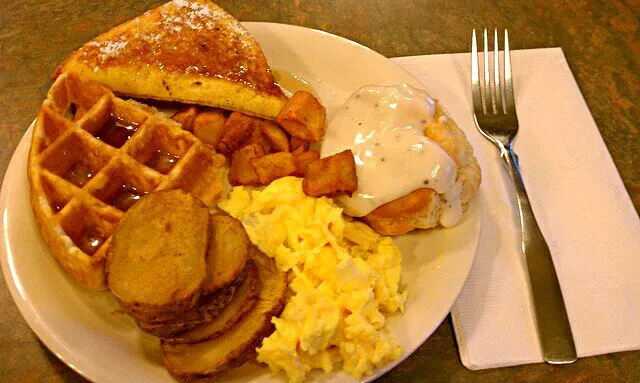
<point>495,117</point>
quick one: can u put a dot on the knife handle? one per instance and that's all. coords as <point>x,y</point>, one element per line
<point>554,330</point>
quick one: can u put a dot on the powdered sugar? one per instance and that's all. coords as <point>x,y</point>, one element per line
<point>181,3</point>
<point>112,48</point>
<point>178,16</point>
<point>109,48</point>
<point>196,15</point>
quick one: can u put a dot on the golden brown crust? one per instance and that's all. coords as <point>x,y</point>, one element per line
<point>227,252</point>
<point>420,209</point>
<point>243,300</point>
<point>242,171</point>
<point>303,116</point>
<point>273,166</point>
<point>188,51</point>
<point>86,270</point>
<point>237,129</point>
<point>156,261</point>
<point>206,310</point>
<point>331,176</point>
<point>200,362</point>
<point>208,126</point>
<point>71,210</point>
<point>453,140</point>
<point>401,215</point>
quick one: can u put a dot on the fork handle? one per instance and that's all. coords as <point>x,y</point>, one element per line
<point>551,315</point>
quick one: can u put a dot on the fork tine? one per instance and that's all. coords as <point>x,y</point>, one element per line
<point>510,105</point>
<point>475,76</point>
<point>497,99</point>
<point>486,100</point>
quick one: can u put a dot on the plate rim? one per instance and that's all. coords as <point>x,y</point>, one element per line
<point>26,309</point>
<point>43,332</point>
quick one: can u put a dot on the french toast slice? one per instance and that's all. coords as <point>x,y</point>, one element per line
<point>189,51</point>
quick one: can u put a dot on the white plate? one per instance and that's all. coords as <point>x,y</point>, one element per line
<point>84,330</point>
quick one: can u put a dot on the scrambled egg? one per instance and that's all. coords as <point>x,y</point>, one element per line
<point>344,279</point>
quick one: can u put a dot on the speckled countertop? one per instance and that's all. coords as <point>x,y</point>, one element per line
<point>599,38</point>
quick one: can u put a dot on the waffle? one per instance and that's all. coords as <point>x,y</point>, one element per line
<point>189,51</point>
<point>92,156</point>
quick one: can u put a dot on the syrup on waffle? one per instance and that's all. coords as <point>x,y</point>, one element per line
<point>93,155</point>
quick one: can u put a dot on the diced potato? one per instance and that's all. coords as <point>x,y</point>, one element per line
<point>242,171</point>
<point>298,145</point>
<point>276,136</point>
<point>303,117</point>
<point>274,166</point>
<point>185,117</point>
<point>208,127</point>
<point>257,137</point>
<point>303,160</point>
<point>237,130</point>
<point>331,176</point>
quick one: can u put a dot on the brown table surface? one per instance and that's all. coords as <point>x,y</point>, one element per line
<point>599,38</point>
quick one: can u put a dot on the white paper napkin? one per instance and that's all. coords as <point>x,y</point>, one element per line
<point>581,205</point>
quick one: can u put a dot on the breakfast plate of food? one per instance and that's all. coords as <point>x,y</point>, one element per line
<point>200,199</point>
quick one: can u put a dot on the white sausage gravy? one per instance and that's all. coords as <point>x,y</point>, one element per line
<point>383,127</point>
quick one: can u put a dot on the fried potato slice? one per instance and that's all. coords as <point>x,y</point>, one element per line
<point>303,116</point>
<point>237,130</point>
<point>243,300</point>
<point>156,260</point>
<point>208,126</point>
<point>227,254</point>
<point>206,310</point>
<point>206,360</point>
<point>303,160</point>
<point>401,215</point>
<point>242,171</point>
<point>274,166</point>
<point>185,117</point>
<point>331,176</point>
<point>276,136</point>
